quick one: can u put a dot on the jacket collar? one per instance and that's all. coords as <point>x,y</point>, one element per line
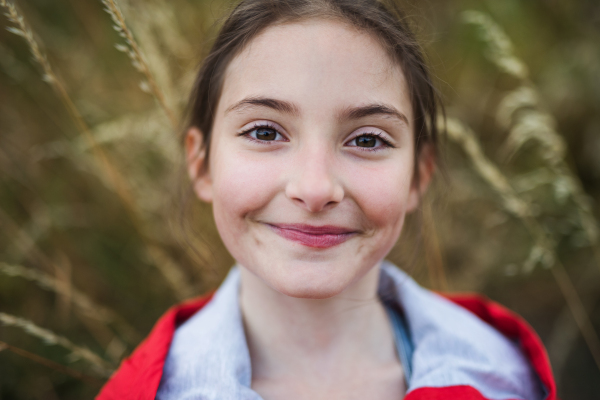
<point>208,356</point>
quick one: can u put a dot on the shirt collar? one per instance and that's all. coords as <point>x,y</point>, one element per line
<point>209,357</point>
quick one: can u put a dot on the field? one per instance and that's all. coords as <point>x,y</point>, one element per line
<point>100,233</point>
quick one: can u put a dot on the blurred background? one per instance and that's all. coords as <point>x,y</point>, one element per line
<point>99,233</point>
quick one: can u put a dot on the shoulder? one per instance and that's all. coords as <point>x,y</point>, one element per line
<point>515,328</point>
<point>511,325</point>
<point>139,375</point>
<point>470,344</point>
<point>482,351</point>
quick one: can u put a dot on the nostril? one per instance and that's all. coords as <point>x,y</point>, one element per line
<point>314,187</point>
<point>316,201</point>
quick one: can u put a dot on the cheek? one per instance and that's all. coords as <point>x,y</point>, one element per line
<point>382,192</point>
<point>242,185</point>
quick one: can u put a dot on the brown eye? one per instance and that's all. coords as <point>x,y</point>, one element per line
<point>370,142</point>
<point>366,141</point>
<point>265,134</point>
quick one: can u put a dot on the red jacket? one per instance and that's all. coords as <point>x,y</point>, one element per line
<point>139,375</point>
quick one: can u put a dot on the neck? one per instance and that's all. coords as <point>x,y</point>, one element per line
<point>303,337</point>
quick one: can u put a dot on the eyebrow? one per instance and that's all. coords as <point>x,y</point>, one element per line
<point>350,113</point>
<point>373,109</point>
<point>274,104</point>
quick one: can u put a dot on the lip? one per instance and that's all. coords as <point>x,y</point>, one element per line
<point>320,237</point>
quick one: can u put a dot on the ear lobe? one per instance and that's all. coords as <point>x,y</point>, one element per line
<point>195,152</point>
<point>426,165</point>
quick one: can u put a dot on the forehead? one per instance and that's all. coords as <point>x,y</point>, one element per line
<point>317,64</point>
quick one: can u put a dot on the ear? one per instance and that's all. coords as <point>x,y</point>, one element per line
<point>426,164</point>
<point>195,152</point>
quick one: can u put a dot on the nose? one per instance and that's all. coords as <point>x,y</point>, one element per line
<point>313,184</point>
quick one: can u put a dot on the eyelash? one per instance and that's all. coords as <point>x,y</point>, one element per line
<point>256,126</point>
<point>377,135</point>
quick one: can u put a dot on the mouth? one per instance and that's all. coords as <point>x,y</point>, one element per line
<point>320,237</point>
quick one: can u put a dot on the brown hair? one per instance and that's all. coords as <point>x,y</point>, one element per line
<point>379,17</point>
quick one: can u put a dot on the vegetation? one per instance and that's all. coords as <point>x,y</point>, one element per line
<point>100,234</point>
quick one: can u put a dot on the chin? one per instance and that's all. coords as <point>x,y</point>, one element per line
<point>315,292</point>
<point>310,285</point>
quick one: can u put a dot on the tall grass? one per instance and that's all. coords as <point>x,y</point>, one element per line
<point>521,114</point>
<point>87,250</point>
<point>138,60</point>
<point>115,180</point>
<point>98,364</point>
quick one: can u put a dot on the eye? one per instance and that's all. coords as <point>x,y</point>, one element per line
<point>366,141</point>
<point>369,141</point>
<point>263,134</point>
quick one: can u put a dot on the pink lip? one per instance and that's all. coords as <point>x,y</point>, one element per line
<point>320,237</point>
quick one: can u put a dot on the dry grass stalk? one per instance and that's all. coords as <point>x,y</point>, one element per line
<point>136,56</point>
<point>117,182</point>
<point>462,135</point>
<point>159,34</point>
<point>23,242</point>
<point>170,270</point>
<point>86,307</point>
<point>565,332</point>
<point>32,232</point>
<point>63,278</point>
<point>99,365</point>
<point>578,310</point>
<point>172,273</point>
<point>157,54</point>
<point>130,138</point>
<point>499,47</point>
<point>543,250</point>
<point>80,300</point>
<point>160,14</point>
<point>51,364</point>
<point>159,63</point>
<point>22,29</point>
<point>519,112</point>
<point>149,128</point>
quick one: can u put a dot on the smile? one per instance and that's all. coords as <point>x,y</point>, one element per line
<point>320,237</point>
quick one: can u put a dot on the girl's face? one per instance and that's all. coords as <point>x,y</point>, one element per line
<point>311,159</point>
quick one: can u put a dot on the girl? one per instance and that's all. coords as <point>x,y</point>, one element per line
<point>313,134</point>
